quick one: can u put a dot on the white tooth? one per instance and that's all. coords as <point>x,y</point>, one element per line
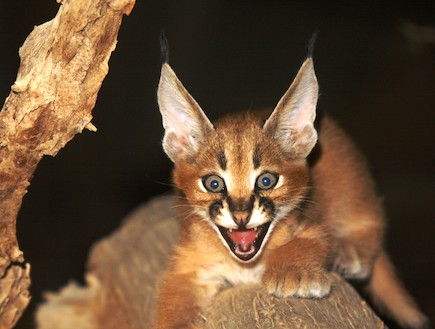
<point>231,230</point>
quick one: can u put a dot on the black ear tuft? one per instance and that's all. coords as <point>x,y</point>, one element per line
<point>311,44</point>
<point>164,48</point>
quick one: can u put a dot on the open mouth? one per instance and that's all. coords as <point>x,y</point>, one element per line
<point>245,243</point>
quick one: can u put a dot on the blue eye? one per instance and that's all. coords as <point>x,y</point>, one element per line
<point>266,181</point>
<point>213,183</point>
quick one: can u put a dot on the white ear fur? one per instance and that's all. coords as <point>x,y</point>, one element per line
<point>292,120</point>
<point>185,123</point>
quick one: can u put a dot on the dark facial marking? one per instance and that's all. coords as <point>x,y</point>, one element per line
<point>241,204</point>
<point>256,158</point>
<point>268,206</point>
<point>222,160</point>
<point>215,209</point>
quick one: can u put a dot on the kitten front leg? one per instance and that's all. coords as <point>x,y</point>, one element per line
<point>298,269</point>
<point>177,306</point>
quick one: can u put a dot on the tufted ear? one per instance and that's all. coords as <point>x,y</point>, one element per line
<point>292,121</point>
<point>186,125</point>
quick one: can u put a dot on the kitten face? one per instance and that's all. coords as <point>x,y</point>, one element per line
<point>240,175</point>
<point>242,183</point>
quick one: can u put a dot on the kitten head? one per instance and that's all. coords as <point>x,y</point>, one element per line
<point>241,175</point>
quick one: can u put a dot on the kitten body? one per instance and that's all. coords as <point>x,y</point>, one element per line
<point>278,201</point>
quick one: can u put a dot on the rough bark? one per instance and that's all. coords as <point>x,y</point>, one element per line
<point>123,275</point>
<point>63,64</point>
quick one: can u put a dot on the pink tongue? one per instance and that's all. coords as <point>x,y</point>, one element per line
<point>243,237</point>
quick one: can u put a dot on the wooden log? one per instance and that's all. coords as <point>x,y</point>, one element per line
<point>123,276</point>
<point>63,64</point>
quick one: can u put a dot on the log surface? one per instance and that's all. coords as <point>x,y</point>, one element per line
<point>123,275</point>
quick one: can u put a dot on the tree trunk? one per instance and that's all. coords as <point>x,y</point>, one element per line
<point>63,64</point>
<point>123,274</point>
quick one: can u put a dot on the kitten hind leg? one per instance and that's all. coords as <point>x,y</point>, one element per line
<point>357,247</point>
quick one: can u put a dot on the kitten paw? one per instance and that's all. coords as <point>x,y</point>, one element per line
<point>197,321</point>
<point>350,264</point>
<point>312,283</point>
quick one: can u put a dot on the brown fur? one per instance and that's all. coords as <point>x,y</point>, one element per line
<point>326,214</point>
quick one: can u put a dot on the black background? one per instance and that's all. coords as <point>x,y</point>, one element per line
<point>376,75</point>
